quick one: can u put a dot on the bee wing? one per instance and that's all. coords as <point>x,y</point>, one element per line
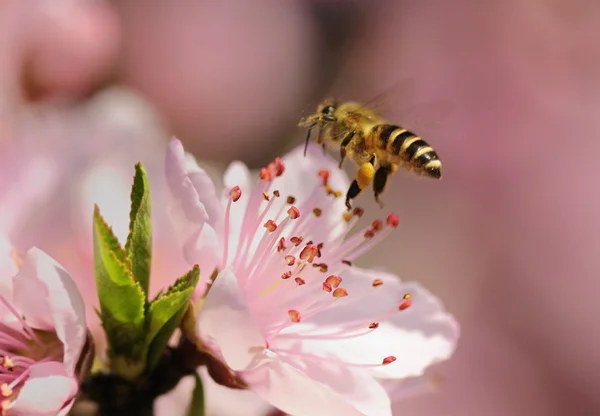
<point>397,103</point>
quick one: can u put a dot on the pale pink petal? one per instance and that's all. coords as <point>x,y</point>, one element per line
<point>8,269</point>
<point>302,181</point>
<point>49,299</point>
<point>226,322</point>
<point>206,190</point>
<point>318,389</point>
<point>188,214</point>
<point>47,391</point>
<point>418,336</point>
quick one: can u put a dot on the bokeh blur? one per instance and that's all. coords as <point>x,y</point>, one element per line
<point>507,239</point>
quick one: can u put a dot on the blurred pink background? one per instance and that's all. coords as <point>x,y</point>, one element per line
<point>507,239</point>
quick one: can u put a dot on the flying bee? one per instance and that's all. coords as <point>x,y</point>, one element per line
<point>376,146</point>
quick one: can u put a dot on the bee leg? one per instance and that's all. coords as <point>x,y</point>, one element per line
<point>343,146</point>
<point>381,177</point>
<point>364,177</point>
<point>308,137</point>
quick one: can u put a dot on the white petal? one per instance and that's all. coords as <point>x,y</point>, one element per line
<point>47,391</point>
<point>49,299</point>
<point>318,389</point>
<point>418,336</point>
<point>226,322</point>
<point>187,205</point>
<point>301,180</point>
<point>206,190</point>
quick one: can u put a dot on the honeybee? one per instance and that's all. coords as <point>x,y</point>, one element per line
<point>376,146</point>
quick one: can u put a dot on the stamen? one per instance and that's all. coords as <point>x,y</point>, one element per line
<point>374,325</point>
<point>407,302</point>
<point>290,260</point>
<point>5,391</point>
<point>388,360</point>
<point>326,287</point>
<point>377,282</point>
<point>340,293</point>
<point>281,245</point>
<point>317,212</point>
<point>286,275</point>
<point>270,225</point>
<point>290,200</point>
<point>300,281</point>
<point>294,315</point>
<point>24,325</point>
<point>293,212</point>
<point>393,220</point>
<point>334,281</point>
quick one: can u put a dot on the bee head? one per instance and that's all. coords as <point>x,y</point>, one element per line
<point>326,110</point>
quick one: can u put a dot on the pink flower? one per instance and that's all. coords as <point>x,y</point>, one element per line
<point>42,336</point>
<point>288,313</point>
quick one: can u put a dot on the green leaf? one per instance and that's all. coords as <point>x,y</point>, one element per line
<point>139,241</point>
<point>197,404</point>
<point>165,313</point>
<point>122,300</point>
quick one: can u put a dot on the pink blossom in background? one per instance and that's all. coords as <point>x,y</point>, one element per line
<point>307,332</point>
<point>42,335</point>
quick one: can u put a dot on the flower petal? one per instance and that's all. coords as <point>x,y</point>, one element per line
<point>187,205</point>
<point>226,322</point>
<point>205,188</point>
<point>418,336</point>
<point>302,180</point>
<point>49,299</point>
<point>48,391</point>
<point>318,388</point>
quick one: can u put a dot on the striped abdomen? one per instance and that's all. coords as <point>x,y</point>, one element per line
<point>406,148</point>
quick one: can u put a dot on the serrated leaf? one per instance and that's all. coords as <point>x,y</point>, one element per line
<point>122,300</point>
<point>197,405</point>
<point>165,314</point>
<point>139,241</point>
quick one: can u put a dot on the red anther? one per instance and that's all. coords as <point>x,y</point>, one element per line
<point>317,212</point>
<point>290,200</point>
<point>324,175</point>
<point>374,325</point>
<point>309,243</point>
<point>265,196</point>
<point>377,282</point>
<point>286,275</point>
<point>340,292</point>
<point>270,225</point>
<point>319,247</point>
<point>279,167</point>
<point>276,193</point>
<point>327,287</point>
<point>347,262</point>
<point>235,193</point>
<point>347,216</point>
<point>388,360</point>
<point>265,175</point>
<point>369,233</point>
<point>294,315</point>
<point>281,245</point>
<point>290,260</point>
<point>322,267</point>
<point>296,240</point>
<point>405,305</point>
<point>308,253</point>
<point>359,212</point>
<point>333,280</point>
<point>377,225</point>
<point>293,212</point>
<point>299,281</point>
<point>393,220</point>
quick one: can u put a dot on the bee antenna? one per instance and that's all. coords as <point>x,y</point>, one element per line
<point>308,137</point>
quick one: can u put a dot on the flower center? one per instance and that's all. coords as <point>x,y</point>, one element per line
<point>21,346</point>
